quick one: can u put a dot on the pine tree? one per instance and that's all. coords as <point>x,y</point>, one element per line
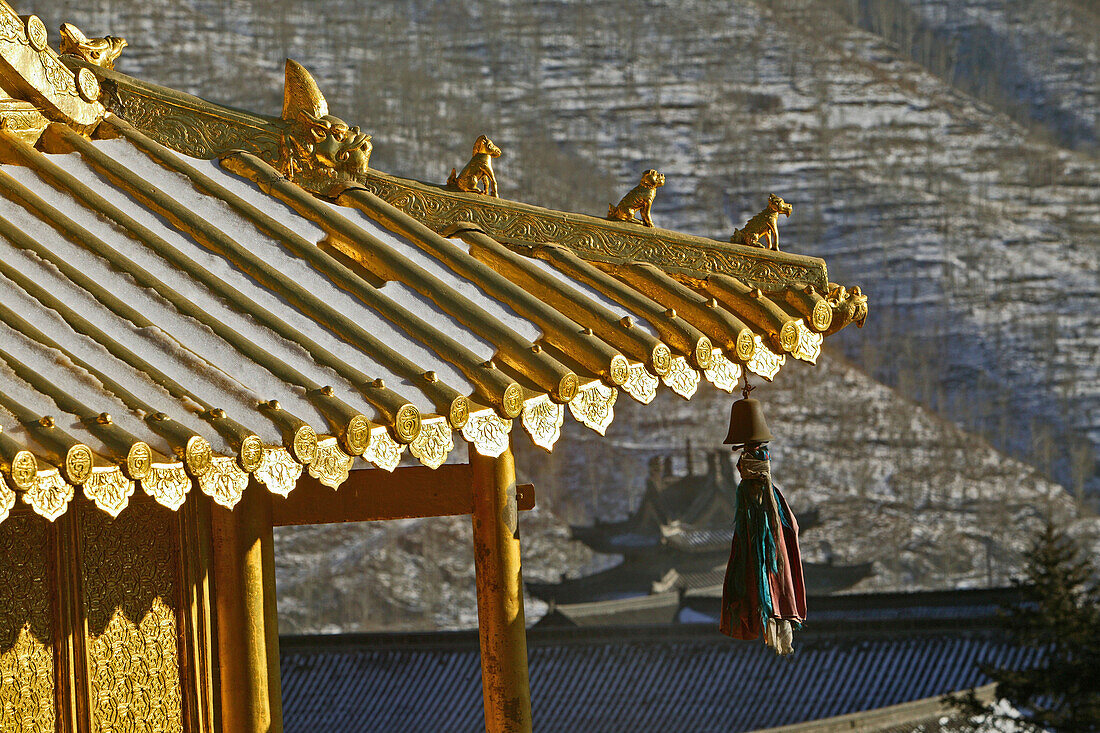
<point>1060,617</point>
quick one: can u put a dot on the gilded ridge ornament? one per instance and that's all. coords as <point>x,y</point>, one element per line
<point>32,67</point>
<point>638,200</point>
<point>808,346</point>
<point>330,465</point>
<point>488,432</point>
<point>723,373</point>
<point>764,224</point>
<point>168,484</point>
<point>434,443</point>
<point>49,494</point>
<point>849,306</point>
<point>542,419</point>
<point>7,499</point>
<point>109,489</point>
<point>99,51</point>
<point>641,385</point>
<point>594,406</point>
<point>224,482</point>
<point>681,378</point>
<point>317,150</point>
<point>477,175</point>
<point>278,471</point>
<point>383,451</point>
<point>765,362</point>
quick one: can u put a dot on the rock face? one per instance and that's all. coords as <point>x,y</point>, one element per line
<point>940,154</point>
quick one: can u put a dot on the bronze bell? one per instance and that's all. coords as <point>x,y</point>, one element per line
<point>747,423</point>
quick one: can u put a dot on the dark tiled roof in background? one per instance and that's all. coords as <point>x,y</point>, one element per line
<point>641,679</point>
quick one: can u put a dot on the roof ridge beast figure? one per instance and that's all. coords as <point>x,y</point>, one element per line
<point>766,224</point>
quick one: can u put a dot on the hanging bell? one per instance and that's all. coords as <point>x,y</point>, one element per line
<point>747,423</point>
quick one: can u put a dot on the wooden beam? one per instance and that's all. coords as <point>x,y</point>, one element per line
<point>373,494</point>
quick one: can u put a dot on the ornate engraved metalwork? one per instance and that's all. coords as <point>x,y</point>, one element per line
<point>849,306</point>
<point>139,460</point>
<point>224,482</point>
<point>620,369</point>
<point>27,677</point>
<point>513,396</point>
<point>317,149</point>
<point>78,464</point>
<point>765,362</point>
<point>49,494</point>
<point>477,176</point>
<point>331,464</point>
<point>198,455</point>
<point>168,484</point>
<point>681,378</point>
<point>383,451</point>
<point>24,470</point>
<point>488,432</point>
<point>723,373</point>
<point>98,51</point>
<point>304,444</point>
<point>638,199</point>
<point>251,453</point>
<point>406,423</point>
<point>764,224</point>
<point>434,442</point>
<point>522,226</point>
<point>808,347</point>
<point>358,435</point>
<point>542,419</point>
<point>109,489</point>
<point>28,63</point>
<point>129,583</point>
<point>822,316</point>
<point>7,499</point>
<point>278,471</point>
<point>188,124</point>
<point>594,406</point>
<point>641,385</point>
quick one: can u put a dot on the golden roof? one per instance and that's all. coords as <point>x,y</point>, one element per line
<point>194,295</point>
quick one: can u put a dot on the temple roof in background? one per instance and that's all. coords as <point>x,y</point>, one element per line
<point>865,653</point>
<point>195,292</point>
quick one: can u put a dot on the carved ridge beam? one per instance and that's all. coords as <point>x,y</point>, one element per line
<point>201,129</point>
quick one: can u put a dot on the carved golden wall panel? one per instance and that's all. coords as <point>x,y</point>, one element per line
<point>27,677</point>
<point>130,581</point>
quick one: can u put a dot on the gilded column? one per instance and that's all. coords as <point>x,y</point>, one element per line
<point>501,629</point>
<point>247,626</point>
